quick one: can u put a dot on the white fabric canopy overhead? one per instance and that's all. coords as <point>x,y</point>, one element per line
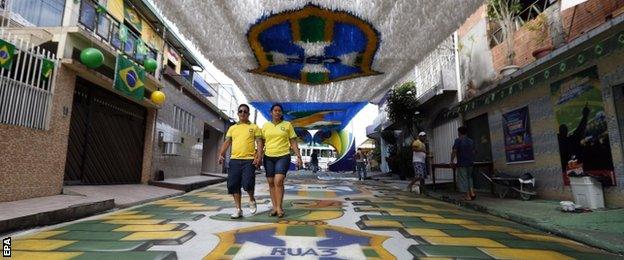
<point>408,30</point>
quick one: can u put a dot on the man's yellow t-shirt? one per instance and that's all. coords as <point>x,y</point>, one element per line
<point>277,138</point>
<point>243,137</point>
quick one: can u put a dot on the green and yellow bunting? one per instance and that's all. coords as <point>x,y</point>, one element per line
<point>123,33</point>
<point>100,9</point>
<point>141,47</point>
<point>7,50</point>
<point>133,18</point>
<point>47,67</point>
<point>129,78</point>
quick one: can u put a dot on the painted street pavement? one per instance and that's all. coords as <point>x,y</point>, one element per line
<point>325,219</point>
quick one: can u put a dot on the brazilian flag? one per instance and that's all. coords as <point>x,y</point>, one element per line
<point>133,18</point>
<point>7,51</point>
<point>47,66</point>
<point>129,78</point>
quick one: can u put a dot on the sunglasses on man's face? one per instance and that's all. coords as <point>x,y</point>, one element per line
<point>243,111</point>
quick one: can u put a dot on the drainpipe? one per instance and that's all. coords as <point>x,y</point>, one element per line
<point>460,93</point>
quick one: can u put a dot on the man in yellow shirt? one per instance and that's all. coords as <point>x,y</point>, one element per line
<point>244,159</point>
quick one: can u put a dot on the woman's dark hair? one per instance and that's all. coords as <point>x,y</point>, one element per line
<point>281,108</point>
<point>243,105</point>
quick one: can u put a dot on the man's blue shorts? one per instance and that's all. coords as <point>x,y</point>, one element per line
<point>241,173</point>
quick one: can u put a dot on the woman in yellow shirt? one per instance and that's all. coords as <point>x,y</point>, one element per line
<point>279,138</point>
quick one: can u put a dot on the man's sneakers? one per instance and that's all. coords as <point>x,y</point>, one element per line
<point>415,189</point>
<point>237,214</point>
<point>253,207</point>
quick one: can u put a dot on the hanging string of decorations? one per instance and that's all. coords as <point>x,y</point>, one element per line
<point>588,55</point>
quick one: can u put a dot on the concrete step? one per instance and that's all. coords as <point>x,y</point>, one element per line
<point>188,183</point>
<point>29,213</point>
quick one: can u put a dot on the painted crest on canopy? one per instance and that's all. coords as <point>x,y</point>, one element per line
<point>313,46</point>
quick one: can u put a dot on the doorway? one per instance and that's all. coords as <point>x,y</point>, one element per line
<point>479,132</point>
<point>106,138</point>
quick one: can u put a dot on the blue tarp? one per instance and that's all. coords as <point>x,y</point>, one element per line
<point>315,115</point>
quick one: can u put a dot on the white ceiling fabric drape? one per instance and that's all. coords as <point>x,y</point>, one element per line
<point>409,29</point>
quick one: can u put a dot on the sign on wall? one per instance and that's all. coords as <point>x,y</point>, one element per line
<point>582,125</point>
<point>517,132</point>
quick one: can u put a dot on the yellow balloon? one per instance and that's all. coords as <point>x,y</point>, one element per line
<point>158,97</point>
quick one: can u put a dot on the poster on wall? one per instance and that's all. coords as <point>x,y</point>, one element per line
<point>582,126</point>
<point>517,132</point>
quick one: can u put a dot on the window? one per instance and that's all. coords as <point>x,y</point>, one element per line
<point>115,41</point>
<point>44,13</point>
<point>88,15</point>
<point>184,121</point>
<point>129,44</point>
<point>103,27</point>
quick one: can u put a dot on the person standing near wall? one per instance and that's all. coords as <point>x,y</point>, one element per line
<point>419,157</point>
<point>279,138</point>
<point>360,164</point>
<point>314,161</point>
<point>243,160</point>
<point>464,150</point>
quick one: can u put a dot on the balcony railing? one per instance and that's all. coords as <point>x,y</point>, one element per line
<point>107,28</point>
<point>27,85</point>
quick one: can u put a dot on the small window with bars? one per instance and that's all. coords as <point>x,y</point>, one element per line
<point>184,121</point>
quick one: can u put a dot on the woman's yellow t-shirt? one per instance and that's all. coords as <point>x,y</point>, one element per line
<point>277,138</point>
<point>243,137</point>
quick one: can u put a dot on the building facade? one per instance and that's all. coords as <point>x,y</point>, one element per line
<point>91,133</point>
<point>568,101</point>
<point>532,120</point>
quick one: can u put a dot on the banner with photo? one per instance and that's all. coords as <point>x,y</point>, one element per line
<point>517,132</point>
<point>582,126</point>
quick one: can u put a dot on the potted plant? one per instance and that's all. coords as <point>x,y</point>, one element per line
<point>540,28</point>
<point>503,13</point>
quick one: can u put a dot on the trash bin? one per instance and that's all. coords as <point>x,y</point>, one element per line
<point>587,192</point>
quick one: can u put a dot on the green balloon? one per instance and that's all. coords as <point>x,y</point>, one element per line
<point>91,57</point>
<point>150,65</point>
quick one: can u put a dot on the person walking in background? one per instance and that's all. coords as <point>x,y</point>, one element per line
<point>419,156</point>
<point>464,150</point>
<point>243,160</point>
<point>314,161</point>
<point>279,138</point>
<point>360,164</point>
